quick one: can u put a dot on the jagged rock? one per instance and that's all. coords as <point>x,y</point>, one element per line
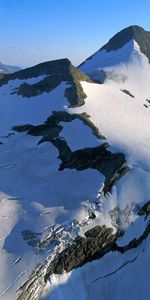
<point>128,93</point>
<point>97,242</point>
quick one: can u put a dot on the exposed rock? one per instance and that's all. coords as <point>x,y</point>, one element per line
<point>112,165</point>
<point>128,93</point>
<point>97,242</point>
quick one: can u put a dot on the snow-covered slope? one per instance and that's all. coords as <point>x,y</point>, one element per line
<point>35,196</point>
<point>75,178</point>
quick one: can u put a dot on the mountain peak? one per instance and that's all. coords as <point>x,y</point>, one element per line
<point>119,49</point>
<point>124,36</point>
<point>139,34</point>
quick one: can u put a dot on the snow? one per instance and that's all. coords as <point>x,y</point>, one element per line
<point>103,59</point>
<point>18,82</point>
<point>78,136</point>
<point>29,200</point>
<point>33,80</point>
<point>125,122</point>
<point>135,229</point>
<point>36,196</point>
<point>125,68</point>
<point>18,110</point>
<point>115,276</point>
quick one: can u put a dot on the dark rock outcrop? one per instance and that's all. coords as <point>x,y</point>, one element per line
<point>52,124</point>
<point>96,243</point>
<point>128,93</point>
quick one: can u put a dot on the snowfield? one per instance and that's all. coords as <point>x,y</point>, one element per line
<point>35,195</point>
<point>122,119</point>
<point>18,110</point>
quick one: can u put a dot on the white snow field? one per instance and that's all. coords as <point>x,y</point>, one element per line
<point>19,110</point>
<point>36,197</point>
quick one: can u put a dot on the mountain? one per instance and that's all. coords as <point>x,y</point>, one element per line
<point>120,49</point>
<point>5,69</point>
<point>120,39</point>
<point>52,74</point>
<point>75,174</point>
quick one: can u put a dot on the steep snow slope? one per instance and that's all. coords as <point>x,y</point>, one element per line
<point>125,120</point>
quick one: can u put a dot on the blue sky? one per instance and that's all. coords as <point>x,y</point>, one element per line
<point>33,31</point>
